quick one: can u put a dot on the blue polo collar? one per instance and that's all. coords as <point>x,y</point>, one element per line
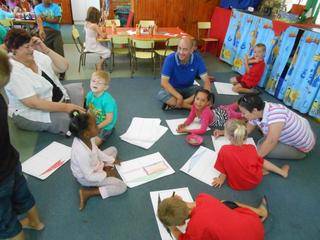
<point>178,62</point>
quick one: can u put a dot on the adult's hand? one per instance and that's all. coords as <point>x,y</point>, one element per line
<point>39,45</point>
<point>179,102</point>
<point>70,107</point>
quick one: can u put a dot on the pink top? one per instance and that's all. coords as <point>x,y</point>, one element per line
<point>232,110</point>
<point>206,118</point>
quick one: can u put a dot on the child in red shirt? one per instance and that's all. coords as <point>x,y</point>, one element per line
<point>214,118</point>
<point>211,219</point>
<point>240,163</point>
<point>246,83</point>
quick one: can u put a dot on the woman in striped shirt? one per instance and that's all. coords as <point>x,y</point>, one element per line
<point>286,134</point>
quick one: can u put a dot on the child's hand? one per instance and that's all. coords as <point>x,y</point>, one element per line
<point>217,133</point>
<point>117,162</point>
<point>181,128</point>
<point>110,172</point>
<point>217,182</point>
<point>246,59</point>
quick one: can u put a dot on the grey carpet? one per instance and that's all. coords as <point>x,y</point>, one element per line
<point>294,212</point>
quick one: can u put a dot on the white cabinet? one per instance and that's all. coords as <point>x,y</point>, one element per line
<point>80,7</point>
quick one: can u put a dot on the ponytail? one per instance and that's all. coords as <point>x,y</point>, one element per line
<point>79,122</point>
<point>236,130</point>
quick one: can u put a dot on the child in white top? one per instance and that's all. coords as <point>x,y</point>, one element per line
<point>93,30</point>
<point>91,166</point>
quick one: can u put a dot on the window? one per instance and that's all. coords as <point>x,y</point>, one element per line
<point>290,2</point>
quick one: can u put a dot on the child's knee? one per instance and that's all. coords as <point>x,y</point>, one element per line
<point>122,187</point>
<point>113,151</point>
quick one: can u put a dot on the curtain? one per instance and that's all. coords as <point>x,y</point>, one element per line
<point>301,84</point>
<point>315,107</point>
<point>232,38</point>
<point>279,58</point>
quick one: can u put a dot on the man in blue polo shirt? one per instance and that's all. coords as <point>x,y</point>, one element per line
<point>178,74</point>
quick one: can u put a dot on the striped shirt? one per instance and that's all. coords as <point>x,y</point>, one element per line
<point>296,131</point>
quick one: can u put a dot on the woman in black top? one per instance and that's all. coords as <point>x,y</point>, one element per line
<point>15,197</point>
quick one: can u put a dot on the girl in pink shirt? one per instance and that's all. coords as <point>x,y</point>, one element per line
<point>214,118</point>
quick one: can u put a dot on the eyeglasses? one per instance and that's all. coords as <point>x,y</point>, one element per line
<point>98,82</point>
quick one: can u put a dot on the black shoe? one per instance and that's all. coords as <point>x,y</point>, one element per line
<point>166,107</point>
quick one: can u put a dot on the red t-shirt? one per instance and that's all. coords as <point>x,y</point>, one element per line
<point>212,220</point>
<point>252,78</point>
<point>241,164</point>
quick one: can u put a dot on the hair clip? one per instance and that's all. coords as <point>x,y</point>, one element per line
<point>75,113</point>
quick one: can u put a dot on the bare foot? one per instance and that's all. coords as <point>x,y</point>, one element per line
<point>83,196</point>
<point>285,169</point>
<point>264,212</point>
<point>26,224</point>
<point>265,172</point>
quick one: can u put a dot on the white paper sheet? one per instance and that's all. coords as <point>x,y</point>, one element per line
<point>147,144</point>
<point>130,32</point>
<point>47,161</point>
<point>224,88</point>
<point>134,173</point>
<point>143,129</point>
<point>200,165</point>
<point>144,132</point>
<point>174,123</point>
<point>182,192</point>
<point>220,141</point>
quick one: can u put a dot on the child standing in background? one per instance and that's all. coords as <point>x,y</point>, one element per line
<point>100,103</point>
<point>252,76</point>
<point>240,163</point>
<point>214,118</point>
<point>89,165</point>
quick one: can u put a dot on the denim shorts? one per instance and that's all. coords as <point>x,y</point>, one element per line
<point>15,199</point>
<point>164,96</point>
<point>105,134</point>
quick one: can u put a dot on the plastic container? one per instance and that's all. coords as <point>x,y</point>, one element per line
<point>194,139</point>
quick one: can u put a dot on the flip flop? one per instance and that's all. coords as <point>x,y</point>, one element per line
<point>264,203</point>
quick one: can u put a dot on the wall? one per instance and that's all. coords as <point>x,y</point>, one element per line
<point>80,7</point>
<point>66,11</point>
<point>172,13</point>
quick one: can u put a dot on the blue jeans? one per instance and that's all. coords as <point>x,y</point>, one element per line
<point>164,96</point>
<point>15,199</point>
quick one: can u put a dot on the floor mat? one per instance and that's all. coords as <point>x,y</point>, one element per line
<point>293,202</point>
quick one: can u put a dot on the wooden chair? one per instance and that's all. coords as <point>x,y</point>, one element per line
<point>80,47</point>
<point>170,47</point>
<point>142,49</point>
<point>147,23</point>
<point>109,22</point>
<point>206,26</point>
<point>7,22</point>
<point>120,46</point>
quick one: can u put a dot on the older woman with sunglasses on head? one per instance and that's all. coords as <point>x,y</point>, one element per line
<point>37,99</point>
<point>286,134</point>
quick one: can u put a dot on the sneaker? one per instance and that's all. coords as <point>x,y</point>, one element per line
<point>166,107</point>
<point>68,134</point>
